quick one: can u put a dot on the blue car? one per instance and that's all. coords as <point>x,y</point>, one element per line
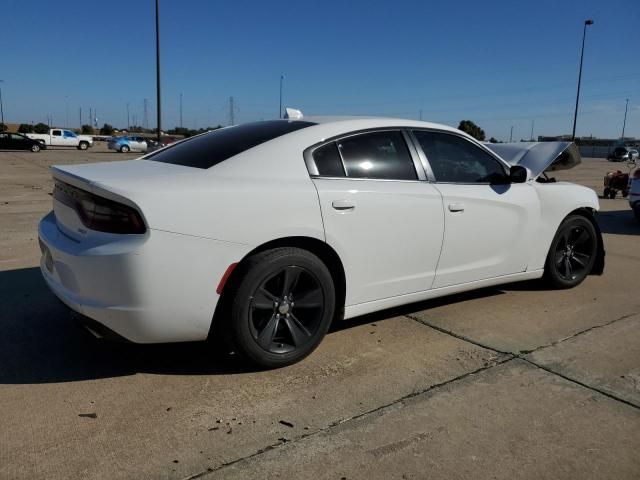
<point>129,143</point>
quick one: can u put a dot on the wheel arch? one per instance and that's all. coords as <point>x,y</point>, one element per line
<point>590,214</point>
<point>319,248</point>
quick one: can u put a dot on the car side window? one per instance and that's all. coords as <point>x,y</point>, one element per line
<point>378,155</point>
<point>17,138</point>
<point>456,160</point>
<point>328,161</point>
<point>56,133</point>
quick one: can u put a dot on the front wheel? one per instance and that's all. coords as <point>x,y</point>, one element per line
<point>83,146</point>
<point>572,254</point>
<point>124,148</point>
<point>35,147</point>
<point>282,307</point>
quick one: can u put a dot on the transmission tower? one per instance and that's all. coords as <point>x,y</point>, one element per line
<point>232,120</point>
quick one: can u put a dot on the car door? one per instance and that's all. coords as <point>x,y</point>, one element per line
<point>69,138</point>
<point>489,222</point>
<point>56,138</point>
<point>18,142</point>
<point>5,141</point>
<point>379,212</point>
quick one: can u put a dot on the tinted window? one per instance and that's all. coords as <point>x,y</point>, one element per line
<point>456,160</point>
<point>328,161</point>
<point>204,151</point>
<point>17,138</point>
<point>56,133</point>
<point>377,155</point>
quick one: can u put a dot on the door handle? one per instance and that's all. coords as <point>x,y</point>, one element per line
<point>456,207</point>
<point>343,205</point>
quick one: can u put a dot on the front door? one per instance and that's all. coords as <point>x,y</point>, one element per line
<point>489,222</point>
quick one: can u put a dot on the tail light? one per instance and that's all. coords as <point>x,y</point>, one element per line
<point>98,213</point>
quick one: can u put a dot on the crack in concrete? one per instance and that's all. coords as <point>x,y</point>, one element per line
<point>522,353</point>
<point>500,361</point>
<point>506,357</point>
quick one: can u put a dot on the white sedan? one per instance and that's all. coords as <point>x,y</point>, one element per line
<point>266,232</point>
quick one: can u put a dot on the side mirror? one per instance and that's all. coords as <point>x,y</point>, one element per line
<point>519,174</point>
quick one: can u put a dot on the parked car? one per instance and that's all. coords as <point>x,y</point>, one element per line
<point>623,154</point>
<point>266,232</point>
<point>18,141</point>
<point>129,143</point>
<point>58,137</point>
<point>634,191</point>
<point>153,145</point>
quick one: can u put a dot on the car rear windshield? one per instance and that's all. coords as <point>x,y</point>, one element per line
<point>205,151</point>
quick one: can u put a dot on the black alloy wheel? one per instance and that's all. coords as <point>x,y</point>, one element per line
<point>282,308</point>
<point>573,252</point>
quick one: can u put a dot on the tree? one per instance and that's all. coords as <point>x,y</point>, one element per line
<point>472,129</point>
<point>25,128</point>
<point>41,128</point>
<point>106,129</point>
<point>87,130</point>
<point>493,140</point>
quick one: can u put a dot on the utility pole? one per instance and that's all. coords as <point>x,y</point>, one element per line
<point>66,108</point>
<point>281,80</point>
<point>128,122</point>
<point>158,69</point>
<point>90,118</point>
<point>624,123</point>
<point>145,116</point>
<point>575,115</point>
<point>80,109</point>
<point>511,135</point>
<point>231,112</point>
<point>181,110</point>
<point>420,114</point>
<point>1,107</point>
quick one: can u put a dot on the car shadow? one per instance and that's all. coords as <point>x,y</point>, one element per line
<point>618,222</point>
<point>40,343</point>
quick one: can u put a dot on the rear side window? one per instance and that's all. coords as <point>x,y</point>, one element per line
<point>380,155</point>
<point>456,160</point>
<point>328,161</point>
<point>205,151</point>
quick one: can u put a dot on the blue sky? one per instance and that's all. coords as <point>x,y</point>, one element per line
<point>500,64</point>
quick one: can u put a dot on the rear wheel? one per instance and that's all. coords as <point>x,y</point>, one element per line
<point>282,307</point>
<point>83,146</point>
<point>572,254</point>
<point>124,148</point>
<point>35,147</point>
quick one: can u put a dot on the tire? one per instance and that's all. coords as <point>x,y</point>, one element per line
<point>625,193</point>
<point>124,148</point>
<point>83,146</point>
<point>572,253</point>
<point>612,193</point>
<point>265,326</point>
<point>35,148</point>
<point>605,193</point>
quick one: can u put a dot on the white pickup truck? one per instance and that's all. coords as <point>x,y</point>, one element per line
<point>58,137</point>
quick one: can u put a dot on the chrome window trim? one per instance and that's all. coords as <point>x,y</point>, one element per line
<point>432,177</point>
<point>313,169</point>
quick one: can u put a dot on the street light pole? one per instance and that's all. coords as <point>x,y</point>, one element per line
<point>281,79</point>
<point>575,115</point>
<point>158,68</point>
<point>1,108</point>
<point>624,124</point>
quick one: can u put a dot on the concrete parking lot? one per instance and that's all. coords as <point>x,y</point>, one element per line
<point>509,382</point>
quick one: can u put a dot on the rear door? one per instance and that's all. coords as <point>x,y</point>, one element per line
<point>489,222</point>
<point>56,138</point>
<point>379,214</point>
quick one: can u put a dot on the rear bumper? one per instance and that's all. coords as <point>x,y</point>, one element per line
<point>153,288</point>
